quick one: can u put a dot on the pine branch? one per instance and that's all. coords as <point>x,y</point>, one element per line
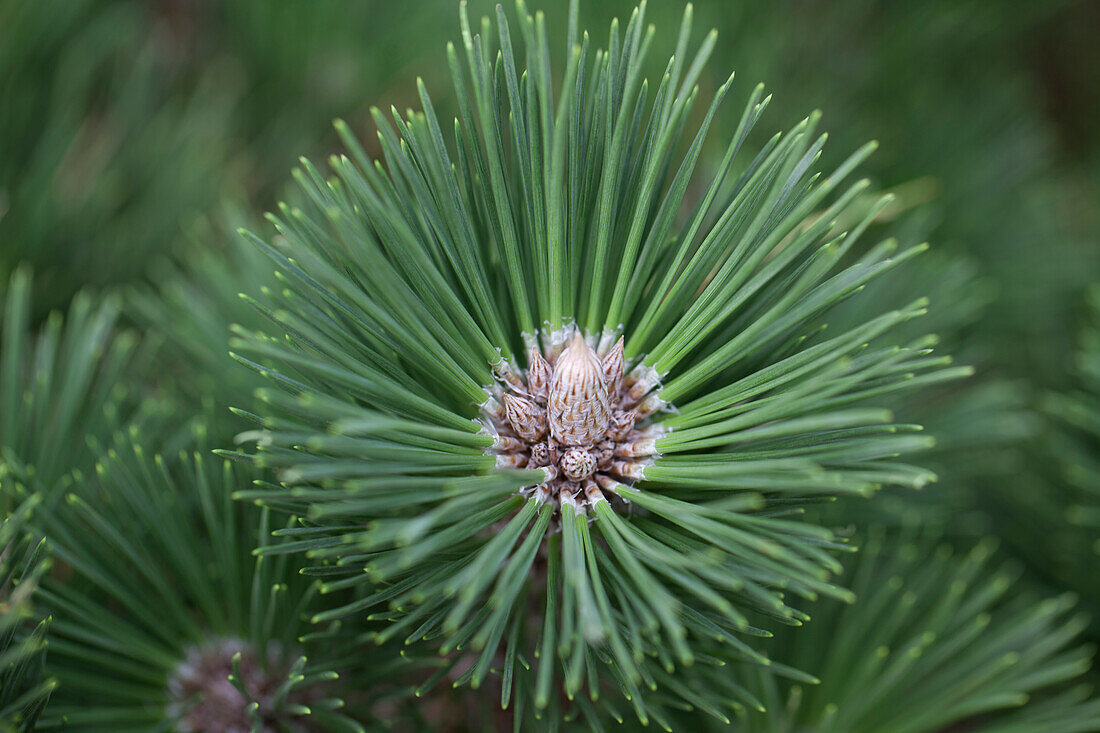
<point>937,641</point>
<point>405,428</point>
<point>1079,412</point>
<point>189,310</point>
<point>25,687</point>
<point>167,617</point>
<point>64,388</point>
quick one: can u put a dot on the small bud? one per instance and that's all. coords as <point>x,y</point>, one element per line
<point>576,417</point>
<point>525,417</point>
<point>613,367</point>
<point>577,464</point>
<point>540,455</point>
<point>622,423</point>
<point>538,376</point>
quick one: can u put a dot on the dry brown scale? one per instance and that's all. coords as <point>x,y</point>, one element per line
<point>577,414</point>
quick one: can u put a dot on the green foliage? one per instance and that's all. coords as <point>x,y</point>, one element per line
<point>105,147</point>
<point>438,267</point>
<point>161,564</point>
<point>24,685</point>
<point>63,388</point>
<point>937,641</point>
<point>978,424</point>
<point>422,268</point>
<point>1079,411</point>
<point>189,310</point>
<point>124,120</point>
<point>1056,525</point>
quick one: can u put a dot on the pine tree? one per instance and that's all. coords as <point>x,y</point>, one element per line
<point>597,499</point>
<point>552,419</point>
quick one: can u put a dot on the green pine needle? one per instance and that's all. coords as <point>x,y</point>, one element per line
<point>937,641</point>
<point>25,686</point>
<point>64,388</point>
<point>161,576</point>
<point>410,284</point>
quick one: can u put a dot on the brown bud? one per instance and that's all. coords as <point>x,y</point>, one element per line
<point>578,403</point>
<point>525,417</point>
<point>539,374</point>
<point>577,464</point>
<point>613,367</point>
<point>540,455</point>
<point>622,423</point>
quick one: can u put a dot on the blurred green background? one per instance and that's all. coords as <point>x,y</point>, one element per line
<point>124,123</point>
<point>135,135</point>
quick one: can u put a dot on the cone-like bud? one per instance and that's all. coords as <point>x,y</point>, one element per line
<point>578,402</point>
<point>570,415</point>
<point>577,464</point>
<point>540,455</point>
<point>538,376</point>
<point>622,423</point>
<point>525,417</point>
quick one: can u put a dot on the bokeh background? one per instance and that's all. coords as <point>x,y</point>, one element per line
<point>136,136</point>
